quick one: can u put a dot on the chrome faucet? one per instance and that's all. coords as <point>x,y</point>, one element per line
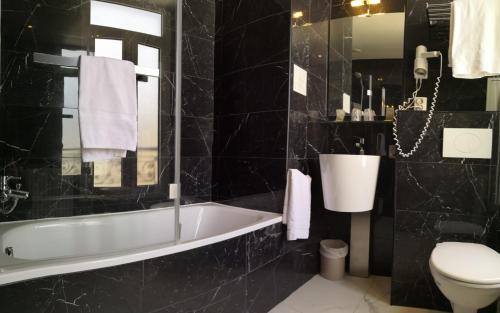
<point>7,194</point>
<point>360,144</point>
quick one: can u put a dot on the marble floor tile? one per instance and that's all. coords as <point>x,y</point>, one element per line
<point>350,295</point>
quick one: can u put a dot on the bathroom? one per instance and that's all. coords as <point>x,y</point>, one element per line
<point>231,96</point>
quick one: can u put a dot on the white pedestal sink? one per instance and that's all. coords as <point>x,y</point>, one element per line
<point>349,184</point>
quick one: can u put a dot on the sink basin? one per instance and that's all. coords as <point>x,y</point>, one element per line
<point>349,181</point>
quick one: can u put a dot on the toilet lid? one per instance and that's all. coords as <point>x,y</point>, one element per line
<point>467,262</point>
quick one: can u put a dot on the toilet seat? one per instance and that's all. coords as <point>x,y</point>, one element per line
<point>467,262</point>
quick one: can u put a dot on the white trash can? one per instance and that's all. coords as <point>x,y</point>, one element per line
<point>333,253</point>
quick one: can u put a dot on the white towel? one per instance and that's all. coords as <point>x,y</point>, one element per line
<point>297,207</point>
<point>107,108</point>
<point>474,38</point>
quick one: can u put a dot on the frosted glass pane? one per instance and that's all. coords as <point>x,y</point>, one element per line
<point>147,141</point>
<point>71,163</point>
<point>123,17</point>
<point>148,57</point>
<point>147,96</point>
<point>109,48</point>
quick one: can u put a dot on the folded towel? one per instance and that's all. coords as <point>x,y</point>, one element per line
<point>474,40</point>
<point>107,108</point>
<point>297,207</point>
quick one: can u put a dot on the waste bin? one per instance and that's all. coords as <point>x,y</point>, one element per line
<point>333,253</point>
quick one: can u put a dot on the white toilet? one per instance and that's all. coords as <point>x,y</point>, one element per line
<point>468,274</point>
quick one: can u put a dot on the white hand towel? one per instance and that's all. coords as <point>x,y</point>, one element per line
<point>107,108</point>
<point>297,207</point>
<point>474,38</point>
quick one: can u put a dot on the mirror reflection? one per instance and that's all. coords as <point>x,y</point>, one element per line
<point>366,62</point>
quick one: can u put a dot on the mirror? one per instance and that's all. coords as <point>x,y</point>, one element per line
<point>366,62</point>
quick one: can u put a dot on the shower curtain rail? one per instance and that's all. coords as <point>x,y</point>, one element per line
<point>59,60</point>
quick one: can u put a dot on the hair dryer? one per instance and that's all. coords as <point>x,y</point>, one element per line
<point>421,65</point>
<point>420,72</point>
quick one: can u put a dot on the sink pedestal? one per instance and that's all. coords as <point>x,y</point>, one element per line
<point>360,244</point>
<point>349,184</point>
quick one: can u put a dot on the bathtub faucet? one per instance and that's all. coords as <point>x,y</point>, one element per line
<point>7,194</point>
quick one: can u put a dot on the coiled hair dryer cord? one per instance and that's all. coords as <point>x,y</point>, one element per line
<point>427,121</point>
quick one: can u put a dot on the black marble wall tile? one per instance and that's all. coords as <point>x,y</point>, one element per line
<point>180,277</point>
<point>310,136</point>
<point>251,97</point>
<point>197,97</point>
<point>42,295</point>
<point>272,283</point>
<point>197,136</point>
<point>198,57</point>
<point>247,91</point>
<point>235,14</point>
<point>107,290</point>
<point>238,177</point>
<point>310,45</point>
<point>197,130</point>
<point>196,179</point>
<point>199,18</point>
<point>256,44</point>
<point>268,201</point>
<point>264,246</point>
<point>248,135</point>
<point>226,298</point>
<point>444,188</point>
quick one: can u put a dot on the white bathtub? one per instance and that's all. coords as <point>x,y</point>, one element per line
<point>65,245</point>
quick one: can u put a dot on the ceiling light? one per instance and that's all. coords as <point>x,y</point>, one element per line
<point>357,3</point>
<point>297,14</point>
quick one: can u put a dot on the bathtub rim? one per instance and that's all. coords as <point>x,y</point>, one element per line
<point>22,270</point>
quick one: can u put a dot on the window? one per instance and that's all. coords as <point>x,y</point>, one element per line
<point>123,17</point>
<point>147,101</point>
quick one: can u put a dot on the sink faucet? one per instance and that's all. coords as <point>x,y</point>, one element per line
<point>7,194</point>
<point>360,144</point>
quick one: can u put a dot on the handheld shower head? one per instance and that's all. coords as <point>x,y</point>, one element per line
<point>359,76</point>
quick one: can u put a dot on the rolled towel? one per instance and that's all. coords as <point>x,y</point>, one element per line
<point>297,207</point>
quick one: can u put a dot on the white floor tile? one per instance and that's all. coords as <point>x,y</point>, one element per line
<point>350,295</point>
